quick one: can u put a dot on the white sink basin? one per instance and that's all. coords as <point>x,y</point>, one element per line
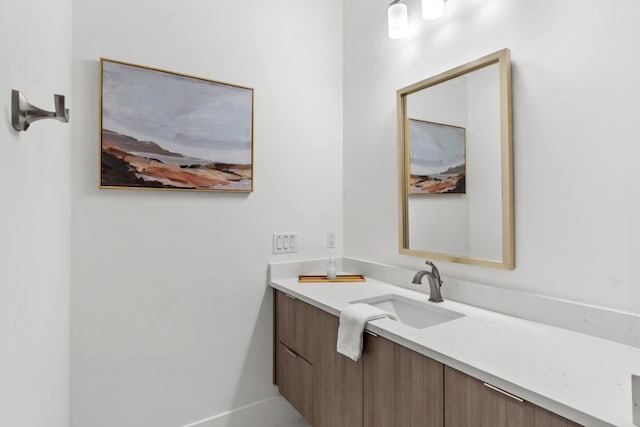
<point>413,313</point>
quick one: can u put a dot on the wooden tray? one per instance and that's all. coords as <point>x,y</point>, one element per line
<point>339,278</point>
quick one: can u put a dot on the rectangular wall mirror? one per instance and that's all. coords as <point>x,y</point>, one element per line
<point>455,164</point>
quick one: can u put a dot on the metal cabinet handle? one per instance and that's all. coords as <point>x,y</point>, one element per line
<point>494,388</point>
<point>291,353</point>
<point>371,333</point>
<point>290,296</point>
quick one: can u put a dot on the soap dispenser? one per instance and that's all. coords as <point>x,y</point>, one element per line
<point>331,268</point>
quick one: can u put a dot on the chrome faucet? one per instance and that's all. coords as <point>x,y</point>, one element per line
<point>434,281</point>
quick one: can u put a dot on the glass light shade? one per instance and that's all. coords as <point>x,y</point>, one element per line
<point>398,20</point>
<point>432,9</point>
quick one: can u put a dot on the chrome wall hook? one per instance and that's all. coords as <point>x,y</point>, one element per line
<point>23,113</point>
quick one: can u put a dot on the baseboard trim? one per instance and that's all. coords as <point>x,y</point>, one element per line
<point>270,412</point>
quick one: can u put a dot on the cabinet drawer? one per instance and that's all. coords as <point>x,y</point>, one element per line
<point>294,324</point>
<point>295,380</point>
<point>468,402</point>
<point>471,402</point>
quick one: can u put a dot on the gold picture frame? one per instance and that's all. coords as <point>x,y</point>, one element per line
<point>163,130</point>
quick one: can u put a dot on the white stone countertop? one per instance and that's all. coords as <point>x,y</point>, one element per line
<point>585,379</point>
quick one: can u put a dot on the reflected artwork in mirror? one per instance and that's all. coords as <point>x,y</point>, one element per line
<point>437,158</point>
<point>454,139</point>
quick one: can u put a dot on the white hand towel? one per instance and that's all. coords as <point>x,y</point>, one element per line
<point>352,322</point>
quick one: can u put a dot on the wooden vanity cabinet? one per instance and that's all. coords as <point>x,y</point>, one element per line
<point>468,402</point>
<point>327,386</point>
<point>293,352</point>
<point>390,386</point>
<point>401,387</point>
<point>294,324</point>
<point>471,402</point>
<point>337,380</point>
<point>294,378</point>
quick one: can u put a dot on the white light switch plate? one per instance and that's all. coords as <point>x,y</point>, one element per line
<point>285,243</point>
<point>635,396</point>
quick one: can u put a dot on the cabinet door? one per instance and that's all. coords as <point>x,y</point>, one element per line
<point>294,320</point>
<point>337,380</point>
<point>294,375</point>
<point>349,392</point>
<point>544,418</point>
<point>470,403</point>
<point>324,368</point>
<point>401,387</point>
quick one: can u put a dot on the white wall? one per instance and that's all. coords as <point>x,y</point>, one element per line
<point>35,47</point>
<point>171,315</point>
<point>577,203</point>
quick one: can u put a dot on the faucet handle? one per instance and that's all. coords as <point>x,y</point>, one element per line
<point>435,271</point>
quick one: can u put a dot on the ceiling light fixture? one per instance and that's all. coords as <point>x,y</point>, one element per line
<point>398,17</point>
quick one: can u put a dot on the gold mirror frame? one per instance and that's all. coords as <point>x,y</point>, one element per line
<point>503,59</point>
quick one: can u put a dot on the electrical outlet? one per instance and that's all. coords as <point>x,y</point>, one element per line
<point>285,243</point>
<point>331,239</point>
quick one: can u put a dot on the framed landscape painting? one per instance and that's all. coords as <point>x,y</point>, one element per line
<point>165,130</point>
<point>437,158</point>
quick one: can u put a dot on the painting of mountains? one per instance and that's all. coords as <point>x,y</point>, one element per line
<point>437,158</point>
<point>164,130</point>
